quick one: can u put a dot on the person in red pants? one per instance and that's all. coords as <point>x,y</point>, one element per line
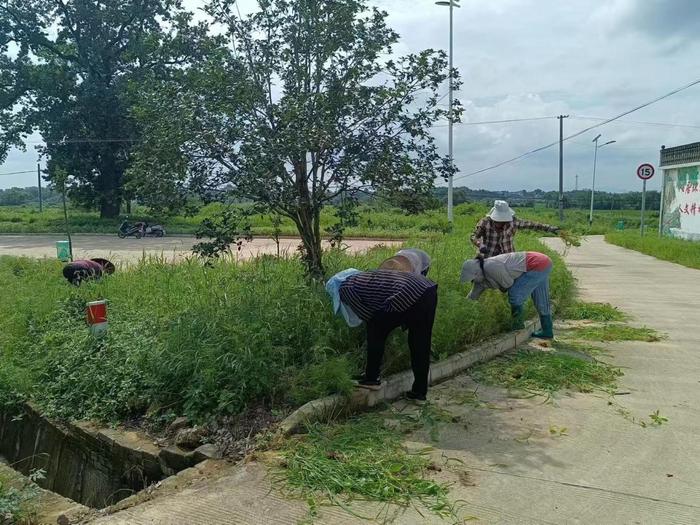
<point>78,271</point>
<point>385,300</point>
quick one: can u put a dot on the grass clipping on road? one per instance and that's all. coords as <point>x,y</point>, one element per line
<point>618,332</point>
<point>545,373</point>
<point>605,312</point>
<point>361,460</point>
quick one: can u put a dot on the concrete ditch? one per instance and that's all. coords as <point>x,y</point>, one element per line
<point>93,466</point>
<point>104,468</point>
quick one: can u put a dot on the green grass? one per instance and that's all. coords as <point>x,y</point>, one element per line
<point>617,332</point>
<point>206,342</point>
<point>378,221</point>
<point>18,499</point>
<point>360,460</point>
<point>546,373</point>
<point>580,310</point>
<point>678,251</point>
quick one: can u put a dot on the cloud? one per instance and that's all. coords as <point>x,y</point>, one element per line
<point>673,22</point>
<point>529,58</point>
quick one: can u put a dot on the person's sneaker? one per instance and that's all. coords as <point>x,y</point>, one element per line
<point>371,384</point>
<point>414,396</point>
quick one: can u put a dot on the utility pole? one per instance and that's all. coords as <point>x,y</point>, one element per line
<point>561,166</point>
<point>450,116</point>
<point>576,187</point>
<point>38,180</point>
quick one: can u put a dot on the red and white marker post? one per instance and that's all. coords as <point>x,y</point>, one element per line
<point>645,172</point>
<point>97,317</point>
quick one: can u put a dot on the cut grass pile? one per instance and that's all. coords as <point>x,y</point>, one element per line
<point>360,460</point>
<point>617,332</point>
<point>546,373</point>
<point>580,310</point>
<point>678,251</point>
<point>212,341</point>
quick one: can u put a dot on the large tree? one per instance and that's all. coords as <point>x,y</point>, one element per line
<point>296,104</point>
<point>72,63</point>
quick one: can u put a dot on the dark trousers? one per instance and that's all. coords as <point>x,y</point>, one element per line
<point>419,321</point>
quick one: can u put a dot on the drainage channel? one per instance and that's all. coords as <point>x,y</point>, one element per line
<point>94,467</point>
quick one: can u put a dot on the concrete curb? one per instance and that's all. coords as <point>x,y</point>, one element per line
<point>393,387</point>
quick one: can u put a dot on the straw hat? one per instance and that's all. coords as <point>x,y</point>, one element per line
<point>420,260</point>
<point>399,263</point>
<point>501,212</point>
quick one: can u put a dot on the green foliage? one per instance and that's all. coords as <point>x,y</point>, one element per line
<point>581,310</point>
<point>361,459</point>
<point>230,227</point>
<point>17,505</point>
<point>71,72</point>
<point>330,376</point>
<point>546,373</point>
<point>310,104</point>
<point>211,340</point>
<point>617,332</point>
<point>678,251</point>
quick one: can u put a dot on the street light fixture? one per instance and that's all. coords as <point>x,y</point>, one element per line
<point>450,215</point>
<point>595,159</point>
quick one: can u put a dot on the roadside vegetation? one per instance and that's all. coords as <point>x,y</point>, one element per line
<point>678,251</point>
<point>18,499</point>
<point>374,220</point>
<point>207,341</point>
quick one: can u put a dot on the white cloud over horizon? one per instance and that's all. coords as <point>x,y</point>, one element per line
<point>527,58</point>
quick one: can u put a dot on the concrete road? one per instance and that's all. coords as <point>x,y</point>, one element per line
<point>604,469</point>
<point>130,249</point>
<point>578,459</point>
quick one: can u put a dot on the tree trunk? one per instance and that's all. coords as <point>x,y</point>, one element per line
<point>109,208</point>
<point>309,230</point>
<point>109,184</point>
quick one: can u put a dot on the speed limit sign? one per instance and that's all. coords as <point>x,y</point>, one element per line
<point>645,171</point>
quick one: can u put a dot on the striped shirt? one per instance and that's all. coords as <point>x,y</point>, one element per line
<point>368,293</point>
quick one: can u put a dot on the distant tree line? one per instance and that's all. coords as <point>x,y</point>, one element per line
<point>603,200</point>
<point>30,195</point>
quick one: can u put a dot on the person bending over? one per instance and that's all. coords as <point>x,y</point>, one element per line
<point>78,271</point>
<point>521,274</point>
<point>384,300</point>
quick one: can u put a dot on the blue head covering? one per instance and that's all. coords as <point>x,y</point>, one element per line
<point>333,289</point>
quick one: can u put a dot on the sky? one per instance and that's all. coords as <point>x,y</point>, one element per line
<point>542,58</point>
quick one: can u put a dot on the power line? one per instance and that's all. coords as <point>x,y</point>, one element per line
<point>666,124</point>
<point>16,173</point>
<point>579,133</point>
<point>495,121</point>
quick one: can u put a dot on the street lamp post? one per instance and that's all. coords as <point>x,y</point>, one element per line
<point>450,215</point>
<point>595,159</point>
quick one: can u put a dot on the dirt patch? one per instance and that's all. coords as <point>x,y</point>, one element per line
<point>235,436</point>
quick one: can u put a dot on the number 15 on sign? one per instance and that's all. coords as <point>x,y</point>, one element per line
<point>645,172</point>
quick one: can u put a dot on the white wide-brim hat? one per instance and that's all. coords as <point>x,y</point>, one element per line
<point>501,212</point>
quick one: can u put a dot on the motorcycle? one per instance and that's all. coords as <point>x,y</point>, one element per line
<point>154,231</point>
<point>140,229</point>
<point>131,230</point>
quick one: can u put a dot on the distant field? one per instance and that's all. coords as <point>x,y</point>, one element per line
<point>373,222</point>
<point>678,251</point>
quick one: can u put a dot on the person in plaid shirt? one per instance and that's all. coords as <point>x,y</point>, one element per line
<point>494,233</point>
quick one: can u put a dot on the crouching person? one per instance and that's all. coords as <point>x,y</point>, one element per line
<point>78,271</point>
<point>384,300</point>
<point>521,274</point>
